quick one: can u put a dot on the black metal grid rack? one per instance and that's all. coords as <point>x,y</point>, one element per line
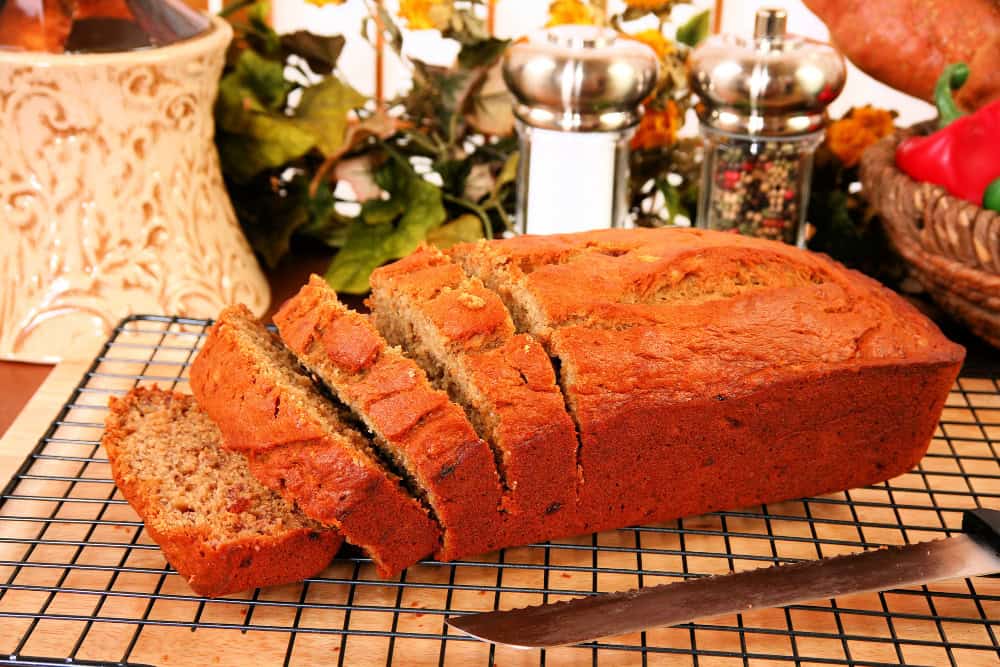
<point>82,582</point>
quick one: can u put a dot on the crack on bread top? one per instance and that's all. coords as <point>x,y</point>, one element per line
<point>466,342</point>
<point>702,276</point>
<point>305,395</point>
<point>555,285</point>
<point>618,279</point>
<point>387,457</point>
<point>424,437</point>
<point>398,321</point>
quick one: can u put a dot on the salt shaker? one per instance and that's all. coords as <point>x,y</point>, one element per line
<point>577,92</point>
<point>762,115</point>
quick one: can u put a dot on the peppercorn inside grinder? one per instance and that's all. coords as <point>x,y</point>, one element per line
<point>762,111</point>
<point>577,92</point>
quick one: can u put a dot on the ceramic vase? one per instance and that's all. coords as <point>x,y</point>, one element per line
<point>111,197</point>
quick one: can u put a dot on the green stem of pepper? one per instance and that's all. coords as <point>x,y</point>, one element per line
<point>991,197</point>
<point>952,78</point>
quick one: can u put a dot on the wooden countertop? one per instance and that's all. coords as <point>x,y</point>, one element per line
<point>840,532</point>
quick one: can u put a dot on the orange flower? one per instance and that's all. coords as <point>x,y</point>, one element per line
<point>425,14</point>
<point>878,121</point>
<point>658,127</point>
<point>848,137</point>
<point>565,12</point>
<point>655,40</point>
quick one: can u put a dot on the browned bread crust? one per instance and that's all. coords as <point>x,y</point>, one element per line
<point>413,422</point>
<point>462,333</point>
<point>709,370</point>
<point>700,370</point>
<point>232,536</point>
<point>299,446</point>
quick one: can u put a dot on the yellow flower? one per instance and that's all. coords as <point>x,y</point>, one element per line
<point>648,5</point>
<point>658,127</point>
<point>320,3</point>
<point>425,14</point>
<point>848,137</point>
<point>563,12</point>
<point>655,40</point>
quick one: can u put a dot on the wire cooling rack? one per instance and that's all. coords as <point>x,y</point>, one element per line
<point>81,582</point>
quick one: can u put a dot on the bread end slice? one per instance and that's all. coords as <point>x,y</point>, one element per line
<point>299,444</point>
<point>218,527</point>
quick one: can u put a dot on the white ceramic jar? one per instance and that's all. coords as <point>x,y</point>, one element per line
<point>111,198</point>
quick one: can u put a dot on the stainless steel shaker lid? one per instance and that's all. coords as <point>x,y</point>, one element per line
<point>579,78</point>
<point>774,84</point>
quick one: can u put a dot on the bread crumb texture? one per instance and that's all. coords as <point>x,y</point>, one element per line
<point>217,525</point>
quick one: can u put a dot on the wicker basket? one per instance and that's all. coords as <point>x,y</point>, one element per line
<point>952,246</point>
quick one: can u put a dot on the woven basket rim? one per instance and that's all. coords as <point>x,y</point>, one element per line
<point>952,245</point>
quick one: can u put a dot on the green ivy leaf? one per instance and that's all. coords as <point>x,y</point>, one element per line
<point>695,30</point>
<point>368,246</point>
<point>271,213</point>
<point>255,84</point>
<point>482,52</point>
<point>325,224</point>
<point>508,173</point>
<point>320,51</point>
<point>463,229</point>
<point>267,141</point>
<point>323,109</point>
<point>377,211</point>
<point>661,10</point>
<point>672,200</point>
<point>261,35</point>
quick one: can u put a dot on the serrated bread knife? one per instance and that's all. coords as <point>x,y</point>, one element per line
<point>974,552</point>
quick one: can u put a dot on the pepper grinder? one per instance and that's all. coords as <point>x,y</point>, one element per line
<point>577,94</point>
<point>762,113</point>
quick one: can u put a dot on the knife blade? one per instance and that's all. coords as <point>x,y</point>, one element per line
<point>974,552</point>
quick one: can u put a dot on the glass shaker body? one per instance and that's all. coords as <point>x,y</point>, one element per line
<point>757,185</point>
<point>571,181</point>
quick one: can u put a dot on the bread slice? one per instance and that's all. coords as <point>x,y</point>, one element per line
<point>218,526</point>
<point>300,446</point>
<point>427,436</point>
<point>463,337</point>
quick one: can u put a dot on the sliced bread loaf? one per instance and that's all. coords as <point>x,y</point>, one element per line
<point>462,335</point>
<point>220,528</point>
<point>709,370</point>
<point>299,445</point>
<point>425,434</point>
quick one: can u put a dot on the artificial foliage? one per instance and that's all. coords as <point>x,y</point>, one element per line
<point>438,164</point>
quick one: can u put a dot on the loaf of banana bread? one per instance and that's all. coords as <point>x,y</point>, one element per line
<point>710,370</point>
<point>301,446</point>
<point>618,377</point>
<point>217,525</point>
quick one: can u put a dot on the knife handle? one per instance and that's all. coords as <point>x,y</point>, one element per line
<point>983,525</point>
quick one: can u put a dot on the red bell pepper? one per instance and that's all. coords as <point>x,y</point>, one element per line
<point>963,157</point>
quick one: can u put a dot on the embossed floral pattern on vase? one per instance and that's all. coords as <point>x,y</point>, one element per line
<point>111,198</point>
